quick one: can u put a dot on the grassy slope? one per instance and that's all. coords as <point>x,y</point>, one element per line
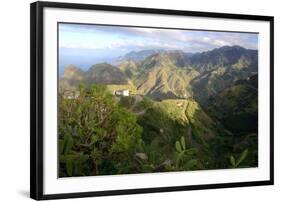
<point>185,112</point>
<point>159,77</point>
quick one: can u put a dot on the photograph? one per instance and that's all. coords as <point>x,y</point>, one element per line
<point>134,100</point>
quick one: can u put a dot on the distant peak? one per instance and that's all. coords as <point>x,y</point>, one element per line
<point>73,72</point>
<point>71,67</point>
<point>101,65</point>
<point>230,47</point>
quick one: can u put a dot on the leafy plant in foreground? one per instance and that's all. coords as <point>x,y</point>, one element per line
<point>236,162</point>
<point>184,156</point>
<point>96,135</point>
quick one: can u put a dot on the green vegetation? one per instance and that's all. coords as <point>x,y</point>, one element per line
<point>183,113</point>
<point>237,106</point>
<point>184,157</point>
<point>99,136</point>
<point>96,135</point>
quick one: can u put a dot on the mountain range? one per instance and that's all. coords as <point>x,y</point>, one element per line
<point>170,74</point>
<point>210,98</point>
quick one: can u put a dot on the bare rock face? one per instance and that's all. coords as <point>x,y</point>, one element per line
<point>142,156</point>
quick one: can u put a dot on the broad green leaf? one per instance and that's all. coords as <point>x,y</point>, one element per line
<point>67,144</point>
<point>183,143</point>
<point>179,158</point>
<point>232,161</point>
<point>192,163</point>
<point>68,166</point>
<point>242,157</point>
<point>178,146</point>
<point>191,151</point>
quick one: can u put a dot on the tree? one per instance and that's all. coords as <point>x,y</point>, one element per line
<point>101,132</point>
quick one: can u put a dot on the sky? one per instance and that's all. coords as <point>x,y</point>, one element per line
<point>84,45</point>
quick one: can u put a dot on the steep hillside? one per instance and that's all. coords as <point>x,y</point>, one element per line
<point>160,77</point>
<point>237,106</point>
<point>225,56</point>
<point>71,78</point>
<point>221,68</point>
<point>176,74</point>
<point>166,117</point>
<point>104,73</point>
<point>101,73</point>
<point>128,67</point>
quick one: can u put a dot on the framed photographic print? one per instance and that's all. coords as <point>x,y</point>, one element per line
<point>134,100</point>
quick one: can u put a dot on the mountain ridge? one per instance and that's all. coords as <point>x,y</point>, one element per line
<point>174,74</point>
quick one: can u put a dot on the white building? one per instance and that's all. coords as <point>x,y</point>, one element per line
<point>122,92</point>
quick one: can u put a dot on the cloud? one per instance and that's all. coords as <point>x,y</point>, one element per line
<point>133,38</point>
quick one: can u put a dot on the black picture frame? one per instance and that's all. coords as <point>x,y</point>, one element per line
<point>36,99</point>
